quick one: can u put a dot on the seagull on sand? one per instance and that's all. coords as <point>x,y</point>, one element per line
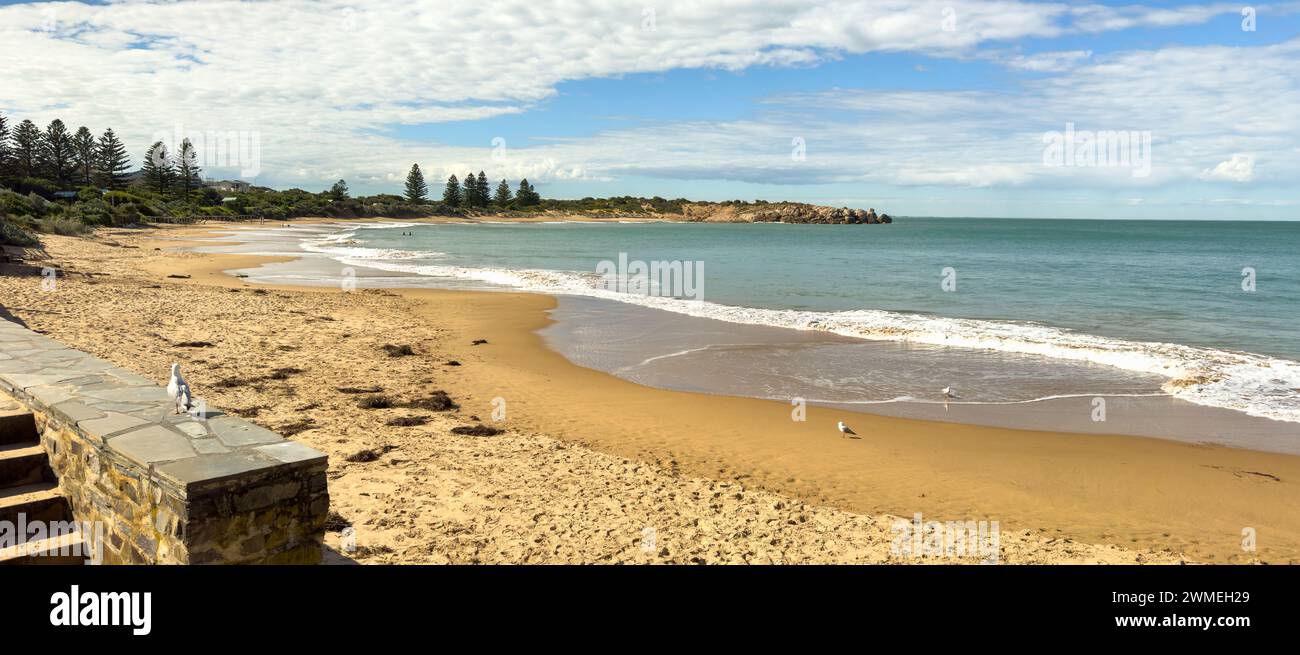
<point>845,430</point>
<point>179,390</point>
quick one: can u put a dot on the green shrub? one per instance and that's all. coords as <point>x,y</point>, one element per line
<point>62,225</point>
<point>150,210</point>
<point>95,212</point>
<point>114,197</point>
<point>30,185</point>
<point>15,204</point>
<point>127,213</point>
<point>12,235</point>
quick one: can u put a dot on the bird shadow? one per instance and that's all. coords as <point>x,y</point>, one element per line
<point>334,557</point>
<point>6,315</point>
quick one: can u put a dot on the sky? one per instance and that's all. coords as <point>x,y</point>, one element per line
<point>1072,109</point>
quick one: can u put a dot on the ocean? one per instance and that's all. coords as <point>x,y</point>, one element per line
<point>1007,311</point>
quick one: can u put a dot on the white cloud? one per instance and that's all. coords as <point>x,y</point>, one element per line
<point>1053,62</point>
<point>1199,104</point>
<point>1239,168</point>
<point>1099,18</point>
<point>324,84</point>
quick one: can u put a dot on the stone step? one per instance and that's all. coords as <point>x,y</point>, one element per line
<point>36,502</point>
<point>16,426</point>
<point>23,464</point>
<point>63,549</point>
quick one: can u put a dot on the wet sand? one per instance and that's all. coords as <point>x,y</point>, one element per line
<point>663,349</point>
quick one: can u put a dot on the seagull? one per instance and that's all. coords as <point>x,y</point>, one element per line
<point>949,393</point>
<point>178,389</point>
<point>845,430</point>
<point>184,401</point>
<point>174,384</point>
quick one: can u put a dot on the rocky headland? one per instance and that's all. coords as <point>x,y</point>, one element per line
<point>781,212</point>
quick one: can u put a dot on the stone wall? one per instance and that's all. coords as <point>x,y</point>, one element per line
<point>205,488</point>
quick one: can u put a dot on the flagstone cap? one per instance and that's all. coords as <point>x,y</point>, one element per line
<point>132,416</point>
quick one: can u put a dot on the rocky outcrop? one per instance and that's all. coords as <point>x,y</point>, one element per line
<point>784,212</point>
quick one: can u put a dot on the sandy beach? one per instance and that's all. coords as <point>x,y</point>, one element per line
<point>592,468</point>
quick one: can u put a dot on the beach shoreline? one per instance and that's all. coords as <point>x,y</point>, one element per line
<point>1152,500</point>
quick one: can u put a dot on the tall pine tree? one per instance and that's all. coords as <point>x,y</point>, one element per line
<point>58,157</point>
<point>28,142</point>
<point>416,190</point>
<point>451,194</point>
<point>484,192</point>
<point>187,169</point>
<point>471,191</point>
<point>84,153</point>
<point>111,162</point>
<point>157,169</point>
<point>5,151</point>
<point>526,196</point>
<point>503,195</point>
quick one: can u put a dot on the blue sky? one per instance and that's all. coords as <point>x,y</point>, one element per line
<point>914,108</point>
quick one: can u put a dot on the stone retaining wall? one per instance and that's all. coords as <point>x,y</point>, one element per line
<point>169,488</point>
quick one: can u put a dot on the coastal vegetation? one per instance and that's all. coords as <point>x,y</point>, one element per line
<point>56,180</point>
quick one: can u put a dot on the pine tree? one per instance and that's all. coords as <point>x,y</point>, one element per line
<point>28,142</point>
<point>503,195</point>
<point>416,189</point>
<point>527,196</point>
<point>451,195</point>
<point>157,169</point>
<point>4,147</point>
<point>471,191</point>
<point>112,162</point>
<point>84,155</point>
<point>339,191</point>
<point>57,148</point>
<point>187,169</point>
<point>484,192</point>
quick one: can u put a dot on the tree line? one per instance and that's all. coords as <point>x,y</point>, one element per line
<point>471,193</point>
<point>57,159</point>
<point>38,158</point>
<point>61,156</point>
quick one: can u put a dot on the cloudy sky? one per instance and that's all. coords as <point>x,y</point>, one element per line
<point>947,108</point>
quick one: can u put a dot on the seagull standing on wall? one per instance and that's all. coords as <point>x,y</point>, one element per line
<point>179,390</point>
<point>845,430</point>
<point>184,401</point>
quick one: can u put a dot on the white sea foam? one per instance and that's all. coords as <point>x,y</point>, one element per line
<point>1257,385</point>
<point>343,245</point>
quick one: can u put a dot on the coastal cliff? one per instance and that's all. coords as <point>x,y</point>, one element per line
<point>781,212</point>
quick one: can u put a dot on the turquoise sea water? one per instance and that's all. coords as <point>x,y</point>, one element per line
<point>1135,280</point>
<point>1208,308</point>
